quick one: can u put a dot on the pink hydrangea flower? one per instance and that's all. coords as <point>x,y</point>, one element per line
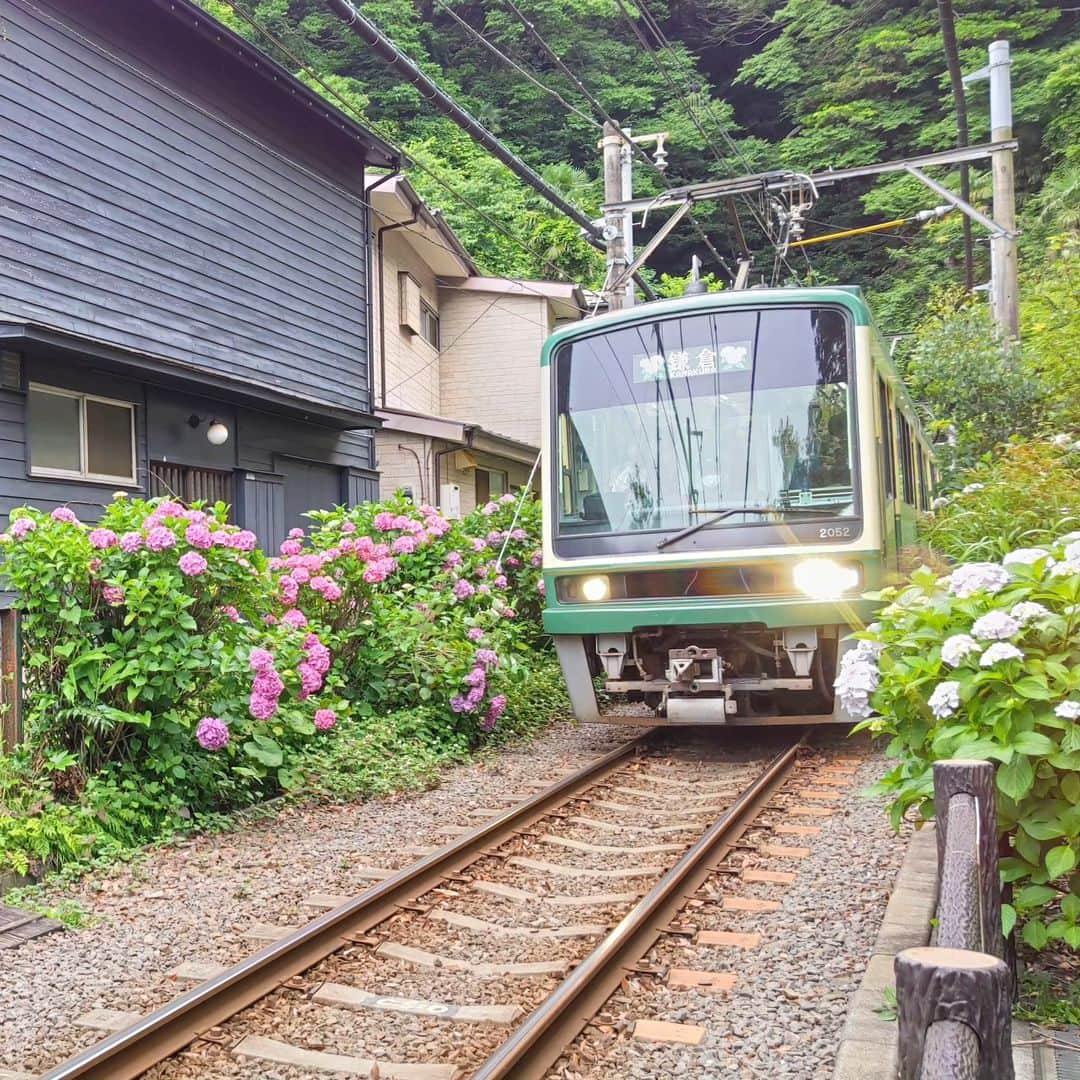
<point>404,545</point>
<point>413,526</point>
<point>541,588</point>
<point>485,588</point>
<point>475,634</point>
<point>130,542</point>
<point>496,707</point>
<point>195,516</point>
<point>488,509</point>
<point>507,498</point>
<point>244,540</point>
<point>103,538</point>
<point>463,589</point>
<point>500,582</point>
<point>349,527</point>
<point>513,562</point>
<point>113,594</point>
<point>325,719</point>
<point>260,660</point>
<point>296,534</point>
<point>519,534</point>
<point>221,537</point>
<point>268,683</point>
<point>192,564</point>
<point>229,611</point>
<point>291,547</point>
<point>476,677</point>
<point>487,657</point>
<point>262,707</point>
<point>508,613</point>
<point>536,559</point>
<point>384,521</point>
<point>289,589</point>
<point>94,565</point>
<point>65,514</point>
<point>311,679</point>
<point>198,536</point>
<point>477,544</point>
<point>21,526</point>
<point>319,657</point>
<point>332,592</point>
<point>212,733</point>
<point>294,617</point>
<point>270,620</point>
<point>301,575</point>
<point>453,558</point>
<point>159,538</point>
<point>169,509</point>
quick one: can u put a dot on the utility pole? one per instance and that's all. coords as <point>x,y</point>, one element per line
<point>614,232</point>
<point>1004,275</point>
<point>626,157</point>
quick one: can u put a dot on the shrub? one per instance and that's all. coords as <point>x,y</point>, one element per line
<point>1026,493</point>
<point>985,663</point>
<point>970,385</point>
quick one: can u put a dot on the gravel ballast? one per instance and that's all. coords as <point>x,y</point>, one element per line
<point>194,901</point>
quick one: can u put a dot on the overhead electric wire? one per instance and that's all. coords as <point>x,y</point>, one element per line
<point>405,157</point>
<point>598,106</point>
<point>663,41</point>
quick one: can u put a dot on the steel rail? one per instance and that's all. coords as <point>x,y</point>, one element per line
<point>158,1035</point>
<point>546,1032</point>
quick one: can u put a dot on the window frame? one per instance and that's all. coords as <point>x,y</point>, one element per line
<point>82,474</point>
<point>488,497</point>
<point>427,312</point>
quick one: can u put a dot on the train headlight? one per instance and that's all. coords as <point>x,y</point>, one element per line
<point>823,579</point>
<point>596,588</point>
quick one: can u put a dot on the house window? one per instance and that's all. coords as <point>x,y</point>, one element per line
<point>429,324</point>
<point>490,484</point>
<point>81,436</point>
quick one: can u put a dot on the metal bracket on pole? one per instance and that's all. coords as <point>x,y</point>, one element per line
<point>659,237</point>
<point>976,215</point>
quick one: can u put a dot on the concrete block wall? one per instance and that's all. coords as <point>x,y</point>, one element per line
<point>491,369</point>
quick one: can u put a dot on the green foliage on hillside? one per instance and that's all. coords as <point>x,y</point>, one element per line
<point>743,85</point>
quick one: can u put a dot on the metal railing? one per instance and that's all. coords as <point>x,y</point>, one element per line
<point>954,998</point>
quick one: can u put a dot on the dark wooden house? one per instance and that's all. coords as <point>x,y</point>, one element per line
<point>184,253</point>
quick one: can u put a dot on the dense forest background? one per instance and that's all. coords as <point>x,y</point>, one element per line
<point>741,85</point>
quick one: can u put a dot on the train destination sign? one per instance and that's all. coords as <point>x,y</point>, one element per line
<point>686,363</point>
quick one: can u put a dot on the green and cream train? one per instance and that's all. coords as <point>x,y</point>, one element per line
<point>726,475</point>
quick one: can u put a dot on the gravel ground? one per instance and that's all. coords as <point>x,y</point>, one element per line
<point>192,901</point>
<point>784,1016</point>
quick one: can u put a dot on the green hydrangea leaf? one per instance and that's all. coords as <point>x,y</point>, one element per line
<point>1016,777</point>
<point>1059,861</point>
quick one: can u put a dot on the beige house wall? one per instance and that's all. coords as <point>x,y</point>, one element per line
<point>412,365</point>
<point>398,468</point>
<point>491,369</point>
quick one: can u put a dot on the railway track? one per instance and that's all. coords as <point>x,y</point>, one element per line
<point>489,956</point>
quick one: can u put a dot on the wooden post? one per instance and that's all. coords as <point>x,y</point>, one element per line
<point>10,681</point>
<point>969,898</point>
<point>954,1015</point>
<point>614,232</point>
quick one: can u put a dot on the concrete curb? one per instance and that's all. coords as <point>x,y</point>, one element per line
<point>868,1043</point>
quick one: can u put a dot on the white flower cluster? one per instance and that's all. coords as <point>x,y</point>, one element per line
<point>939,503</point>
<point>1068,710</point>
<point>1027,556</point>
<point>945,699</point>
<point>1071,562</point>
<point>954,649</point>
<point>995,626</point>
<point>1028,611</point>
<point>976,577</point>
<point>1000,650</point>
<point>971,489</point>
<point>1065,441</point>
<point>858,678</point>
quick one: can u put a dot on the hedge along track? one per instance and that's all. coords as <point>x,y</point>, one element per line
<point>545,1032</point>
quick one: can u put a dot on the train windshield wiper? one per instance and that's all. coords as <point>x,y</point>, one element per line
<point>719,513</point>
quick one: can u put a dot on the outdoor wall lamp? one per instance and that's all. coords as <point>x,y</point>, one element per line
<point>217,434</point>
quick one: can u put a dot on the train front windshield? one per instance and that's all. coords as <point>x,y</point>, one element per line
<point>743,416</point>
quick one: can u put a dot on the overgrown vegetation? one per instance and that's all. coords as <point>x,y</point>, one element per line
<point>174,673</point>
<point>741,85</point>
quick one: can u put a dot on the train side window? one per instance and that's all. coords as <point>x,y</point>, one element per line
<point>887,439</point>
<point>907,464</point>
<point>924,501</point>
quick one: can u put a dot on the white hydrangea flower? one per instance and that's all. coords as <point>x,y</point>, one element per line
<point>1061,439</point>
<point>975,577</point>
<point>995,626</point>
<point>1000,650</point>
<point>1068,710</point>
<point>857,679</point>
<point>1075,445</point>
<point>1064,569</point>
<point>1026,556</point>
<point>945,699</point>
<point>971,488</point>
<point>954,649</point>
<point>1028,611</point>
<point>1069,537</point>
<point>1072,552</point>
<point>939,503</point>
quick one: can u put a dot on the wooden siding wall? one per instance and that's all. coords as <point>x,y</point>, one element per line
<point>138,213</point>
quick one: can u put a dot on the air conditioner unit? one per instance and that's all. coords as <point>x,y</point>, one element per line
<point>450,500</point>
